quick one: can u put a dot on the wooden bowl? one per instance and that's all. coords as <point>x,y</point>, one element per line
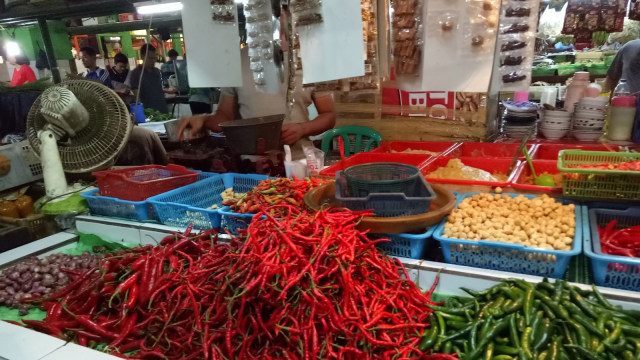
<point>324,196</point>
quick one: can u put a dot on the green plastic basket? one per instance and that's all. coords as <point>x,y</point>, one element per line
<point>598,184</point>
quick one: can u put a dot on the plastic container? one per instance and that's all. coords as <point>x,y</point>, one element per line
<point>117,208</point>
<point>373,178</point>
<point>551,151</point>
<point>410,246</point>
<point>389,204</point>
<point>138,111</point>
<point>613,271</point>
<point>590,184</point>
<point>254,136</point>
<point>510,257</point>
<point>439,147</point>
<point>38,225</point>
<point>364,158</point>
<point>142,182</point>
<point>540,166</point>
<point>495,165</point>
<point>620,125</point>
<point>193,203</point>
<point>489,150</point>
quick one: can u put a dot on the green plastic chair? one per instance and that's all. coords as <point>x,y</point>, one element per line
<point>374,139</point>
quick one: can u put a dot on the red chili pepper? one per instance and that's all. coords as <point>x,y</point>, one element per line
<point>132,297</point>
<point>94,327</point>
<point>72,286</point>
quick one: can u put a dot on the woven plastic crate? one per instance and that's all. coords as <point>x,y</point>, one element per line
<point>510,257</point>
<point>410,246</point>
<point>38,225</point>
<point>389,204</point>
<point>493,166</point>
<point>598,184</point>
<point>364,158</point>
<point>142,182</point>
<point>117,208</point>
<point>365,179</point>
<point>613,271</point>
<point>435,147</point>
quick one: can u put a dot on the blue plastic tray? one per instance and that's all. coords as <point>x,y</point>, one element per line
<point>613,271</point>
<point>190,204</point>
<point>118,208</point>
<point>388,204</point>
<point>510,257</point>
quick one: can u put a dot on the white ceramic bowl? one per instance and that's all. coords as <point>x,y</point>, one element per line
<point>587,135</point>
<point>599,101</point>
<point>554,127</point>
<point>589,114</point>
<point>557,113</point>
<point>554,134</point>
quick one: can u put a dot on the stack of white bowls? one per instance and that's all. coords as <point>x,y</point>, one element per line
<point>555,124</point>
<point>589,117</point>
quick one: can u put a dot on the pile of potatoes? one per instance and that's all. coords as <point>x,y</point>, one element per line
<point>541,222</point>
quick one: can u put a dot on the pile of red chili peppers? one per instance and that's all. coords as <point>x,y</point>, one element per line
<point>622,242</point>
<point>270,192</point>
<point>306,286</point>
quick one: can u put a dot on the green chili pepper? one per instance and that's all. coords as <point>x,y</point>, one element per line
<point>584,352</point>
<point>542,356</point>
<point>485,328</point>
<point>457,325</point>
<point>430,336</point>
<point>595,344</point>
<point>534,325</point>
<point>617,347</point>
<point>451,311</point>
<point>525,341</point>
<point>442,330</point>
<point>627,355</point>
<point>583,336</point>
<point>560,312</point>
<point>543,335</point>
<point>457,350</point>
<point>502,340</point>
<point>554,350</point>
<point>448,347</point>
<point>488,353</point>
<point>601,299</point>
<point>557,291</point>
<point>457,334</point>
<point>474,333</point>
<point>513,333</point>
<point>630,330</point>
<point>548,312</point>
<point>507,350</point>
<point>451,317</point>
<point>502,357</point>
<point>602,319</point>
<point>521,322</point>
<point>577,298</point>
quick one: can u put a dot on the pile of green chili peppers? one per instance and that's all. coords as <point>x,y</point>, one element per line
<point>520,320</point>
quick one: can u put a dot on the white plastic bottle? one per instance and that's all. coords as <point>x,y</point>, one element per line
<point>622,113</point>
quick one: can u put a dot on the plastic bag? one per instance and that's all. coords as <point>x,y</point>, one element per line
<point>306,12</point>
<point>407,27</point>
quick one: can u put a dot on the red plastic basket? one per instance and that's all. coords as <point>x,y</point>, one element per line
<point>441,147</point>
<point>364,158</point>
<point>550,151</point>
<point>142,182</point>
<point>540,166</point>
<point>488,150</point>
<point>495,165</point>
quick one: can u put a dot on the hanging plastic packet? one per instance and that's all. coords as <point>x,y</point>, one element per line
<point>315,159</point>
<point>306,12</point>
<point>407,39</point>
<point>223,11</point>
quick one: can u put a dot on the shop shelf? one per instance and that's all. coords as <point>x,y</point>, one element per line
<point>613,271</point>
<point>389,204</point>
<point>118,208</point>
<point>439,147</point>
<point>193,203</point>
<point>510,257</point>
<point>142,182</point>
<point>488,150</point>
<point>540,166</point>
<point>551,151</point>
<point>495,165</point>
<point>363,158</point>
<point>592,184</point>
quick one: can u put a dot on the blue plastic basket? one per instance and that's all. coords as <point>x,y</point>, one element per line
<point>411,246</point>
<point>613,271</point>
<point>241,183</point>
<point>510,257</point>
<point>404,245</point>
<point>388,204</point>
<point>118,208</point>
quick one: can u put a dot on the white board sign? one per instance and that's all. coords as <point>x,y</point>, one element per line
<point>333,49</point>
<point>213,48</point>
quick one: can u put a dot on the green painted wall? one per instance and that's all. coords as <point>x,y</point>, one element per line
<point>30,40</point>
<point>177,44</point>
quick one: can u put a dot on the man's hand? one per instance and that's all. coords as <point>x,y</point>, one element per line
<point>291,133</point>
<point>195,124</point>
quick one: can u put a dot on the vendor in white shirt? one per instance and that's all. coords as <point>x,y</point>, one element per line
<point>248,102</point>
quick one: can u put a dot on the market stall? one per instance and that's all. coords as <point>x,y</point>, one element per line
<point>519,249</point>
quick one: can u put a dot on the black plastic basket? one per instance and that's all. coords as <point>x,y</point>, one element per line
<point>379,178</point>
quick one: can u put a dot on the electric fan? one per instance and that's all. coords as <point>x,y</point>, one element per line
<point>78,126</point>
